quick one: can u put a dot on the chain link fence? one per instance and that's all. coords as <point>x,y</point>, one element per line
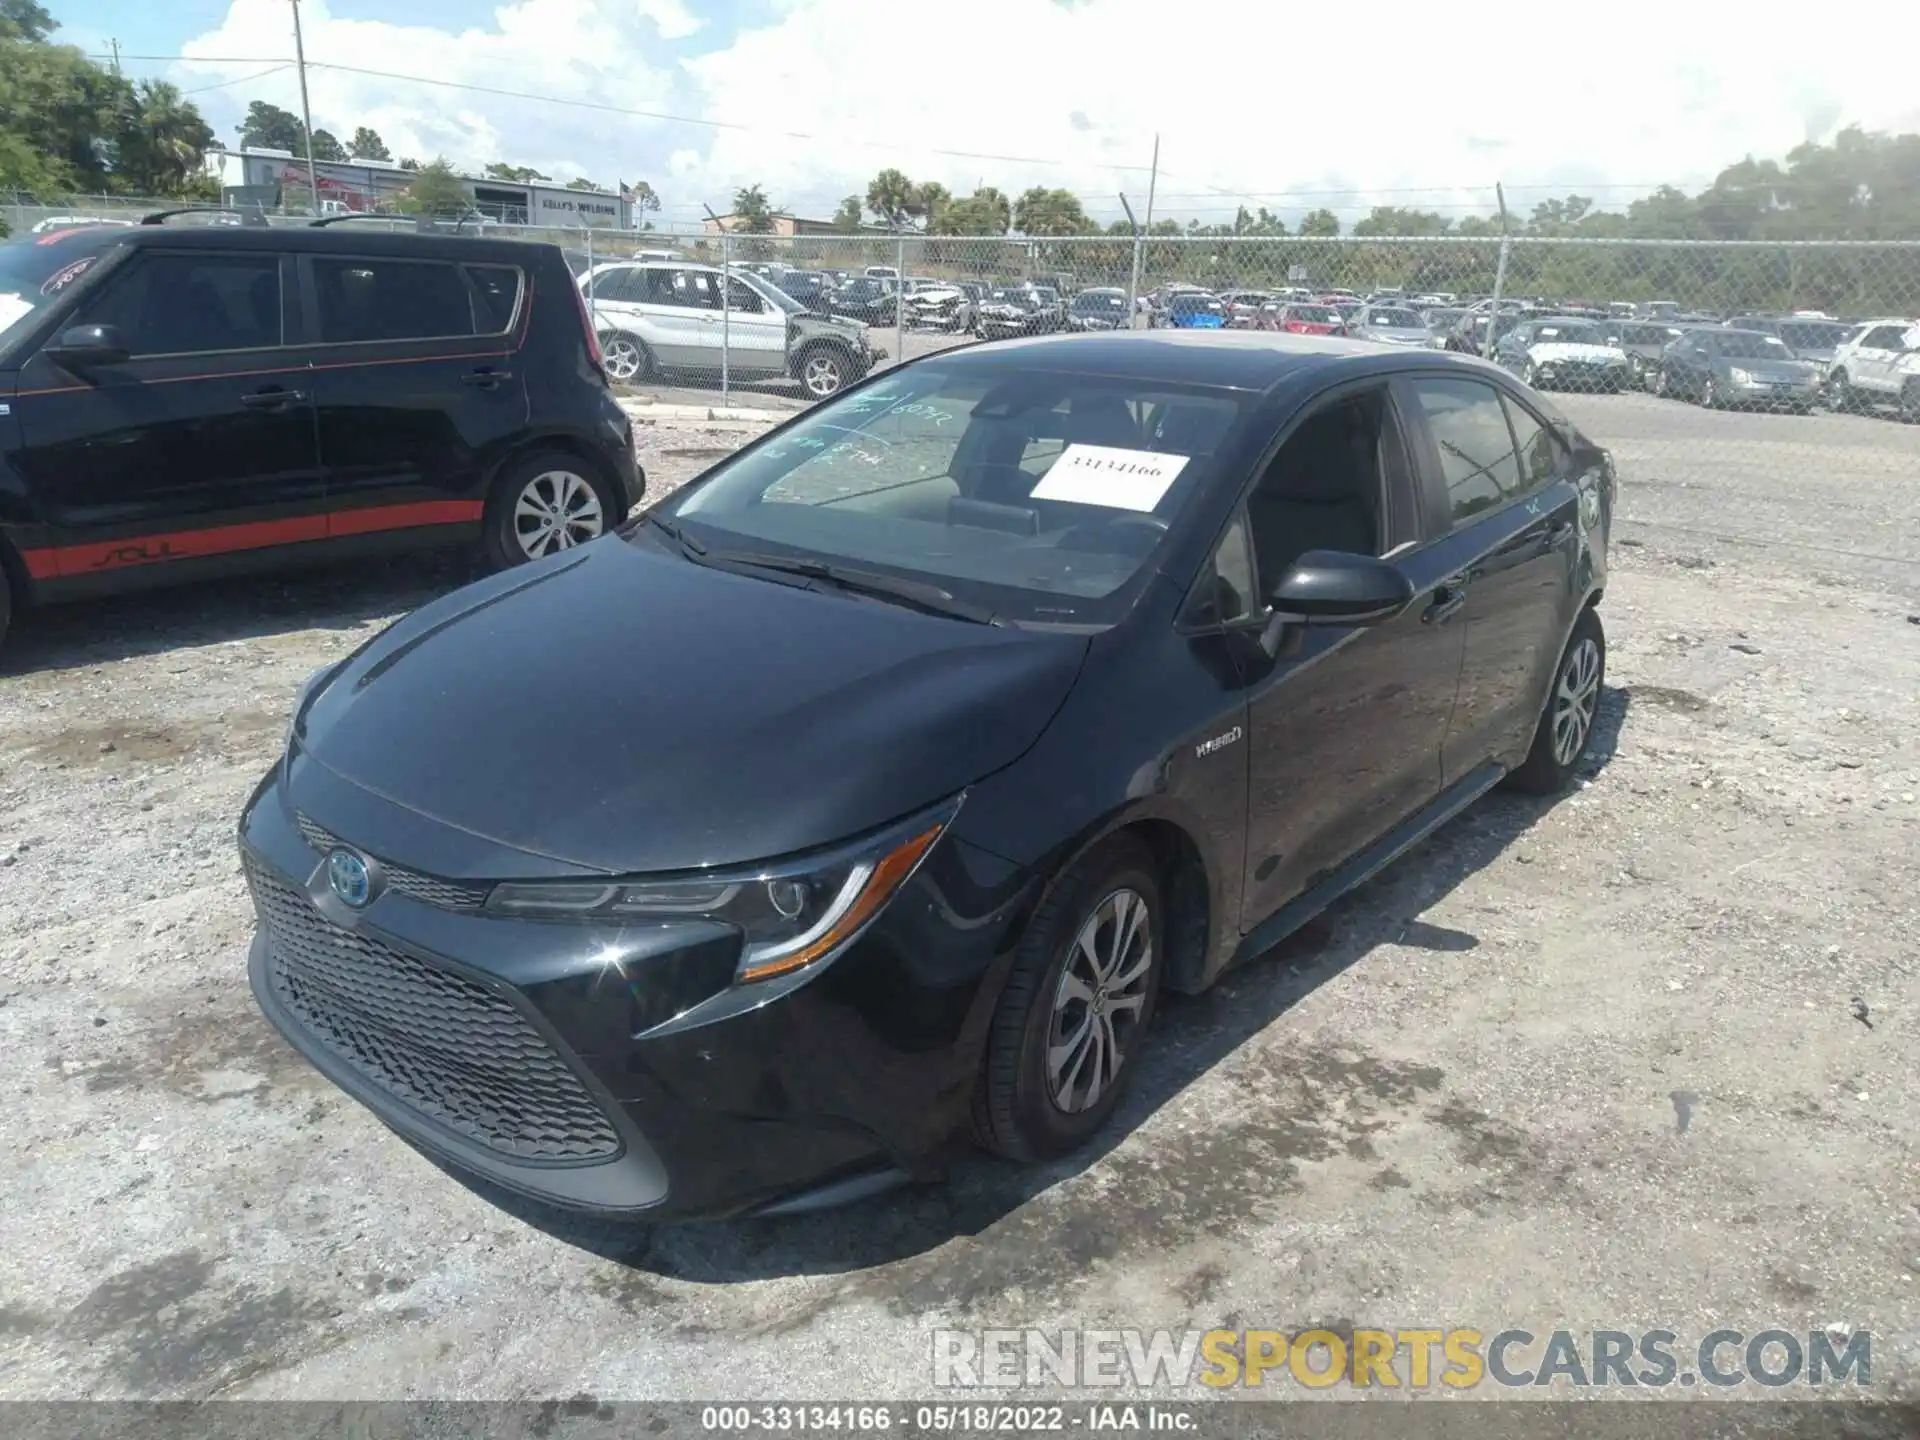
<point>1745,370</point>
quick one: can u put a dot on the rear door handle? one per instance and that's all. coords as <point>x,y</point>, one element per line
<point>271,399</point>
<point>486,379</point>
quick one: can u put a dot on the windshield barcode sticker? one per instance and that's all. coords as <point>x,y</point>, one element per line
<point>1103,475</point>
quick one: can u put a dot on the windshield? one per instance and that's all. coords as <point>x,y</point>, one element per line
<point>770,292</point>
<point>1752,345</point>
<point>1035,493</point>
<point>1012,297</point>
<point>1313,314</point>
<point>1569,335</point>
<point>1099,300</point>
<point>1395,319</point>
<point>1193,304</point>
<point>1813,337</point>
<point>34,272</point>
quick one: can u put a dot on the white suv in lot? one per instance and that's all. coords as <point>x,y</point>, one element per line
<point>1878,365</point>
<point>658,316</point>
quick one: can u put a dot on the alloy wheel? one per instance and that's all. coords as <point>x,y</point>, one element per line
<point>821,375</point>
<point>622,358</point>
<point>1575,696</point>
<point>1098,1003</point>
<point>1709,394</point>
<point>557,510</point>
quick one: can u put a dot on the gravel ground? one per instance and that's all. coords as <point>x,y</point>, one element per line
<point>1644,1056</point>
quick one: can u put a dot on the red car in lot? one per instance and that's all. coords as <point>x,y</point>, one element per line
<point>1303,320</point>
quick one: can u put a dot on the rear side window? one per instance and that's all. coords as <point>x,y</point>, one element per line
<point>496,296</point>
<point>364,300</point>
<point>1540,451</point>
<point>192,304</point>
<point>1469,428</point>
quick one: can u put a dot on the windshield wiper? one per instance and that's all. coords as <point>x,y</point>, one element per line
<point>919,594</point>
<point>689,546</point>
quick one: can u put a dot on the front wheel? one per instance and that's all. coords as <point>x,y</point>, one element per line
<point>1069,1026</point>
<point>1530,374</point>
<point>1910,403</point>
<point>823,372</point>
<point>547,502</point>
<point>1839,394</point>
<point>1566,722</point>
<point>1709,394</point>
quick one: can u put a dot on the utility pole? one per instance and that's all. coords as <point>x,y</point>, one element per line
<point>116,55</point>
<point>1133,276</point>
<point>306,112</point>
<point>1499,274</point>
<point>1153,178</point>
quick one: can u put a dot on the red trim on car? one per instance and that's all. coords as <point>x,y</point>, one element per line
<point>71,561</point>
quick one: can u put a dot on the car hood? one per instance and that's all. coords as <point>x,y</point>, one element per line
<point>1542,354</point>
<point>629,711</point>
<point>1398,335</point>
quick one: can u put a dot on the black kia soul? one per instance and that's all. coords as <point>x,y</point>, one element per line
<point>872,788</point>
<point>183,400</point>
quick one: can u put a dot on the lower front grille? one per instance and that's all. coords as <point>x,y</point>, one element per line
<point>442,1044</point>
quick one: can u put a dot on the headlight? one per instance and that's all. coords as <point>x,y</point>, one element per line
<point>1740,377</point>
<point>308,689</point>
<point>788,915</point>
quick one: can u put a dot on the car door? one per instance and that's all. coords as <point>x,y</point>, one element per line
<point>418,384</point>
<point>680,316</point>
<point>614,295</point>
<point>199,444</point>
<point>1502,479</point>
<point>1345,722</point>
<point>756,331</point>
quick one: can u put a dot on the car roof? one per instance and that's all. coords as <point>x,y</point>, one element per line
<point>278,239</point>
<point>1227,359</point>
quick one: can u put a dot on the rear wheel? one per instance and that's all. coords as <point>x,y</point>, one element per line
<point>1839,392</point>
<point>626,357</point>
<point>1067,1032</point>
<point>545,503</point>
<point>1566,722</point>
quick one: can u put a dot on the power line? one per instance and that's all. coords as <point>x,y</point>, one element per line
<point>603,108</point>
<point>242,80</point>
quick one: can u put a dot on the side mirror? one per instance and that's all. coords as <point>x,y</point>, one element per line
<point>1331,587</point>
<point>84,345</point>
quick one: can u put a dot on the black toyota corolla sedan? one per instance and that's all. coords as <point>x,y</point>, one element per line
<point>868,791</point>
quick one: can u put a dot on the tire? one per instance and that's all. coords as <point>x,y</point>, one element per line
<point>1839,394</point>
<point>1572,704</point>
<point>1662,386</point>
<point>1530,374</point>
<point>1018,1108</point>
<point>634,362</point>
<point>823,371</point>
<point>548,486</point>
<point>1709,394</point>
<point>1910,402</point>
<point>6,602</point>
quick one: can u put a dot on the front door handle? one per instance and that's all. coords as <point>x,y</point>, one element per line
<point>271,399</point>
<point>1448,597</point>
<point>486,379</point>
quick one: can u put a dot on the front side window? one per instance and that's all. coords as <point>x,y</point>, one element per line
<point>169,304</point>
<point>1040,494</point>
<point>497,290</point>
<point>363,300</point>
<point>1469,428</point>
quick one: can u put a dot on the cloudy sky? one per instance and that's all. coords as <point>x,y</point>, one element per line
<point>1255,102</point>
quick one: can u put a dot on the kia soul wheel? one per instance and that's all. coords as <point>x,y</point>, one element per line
<point>547,504</point>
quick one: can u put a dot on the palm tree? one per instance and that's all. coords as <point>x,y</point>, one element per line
<point>162,138</point>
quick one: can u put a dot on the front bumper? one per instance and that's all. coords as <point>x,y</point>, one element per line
<point>1784,392</point>
<point>542,1057</point>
